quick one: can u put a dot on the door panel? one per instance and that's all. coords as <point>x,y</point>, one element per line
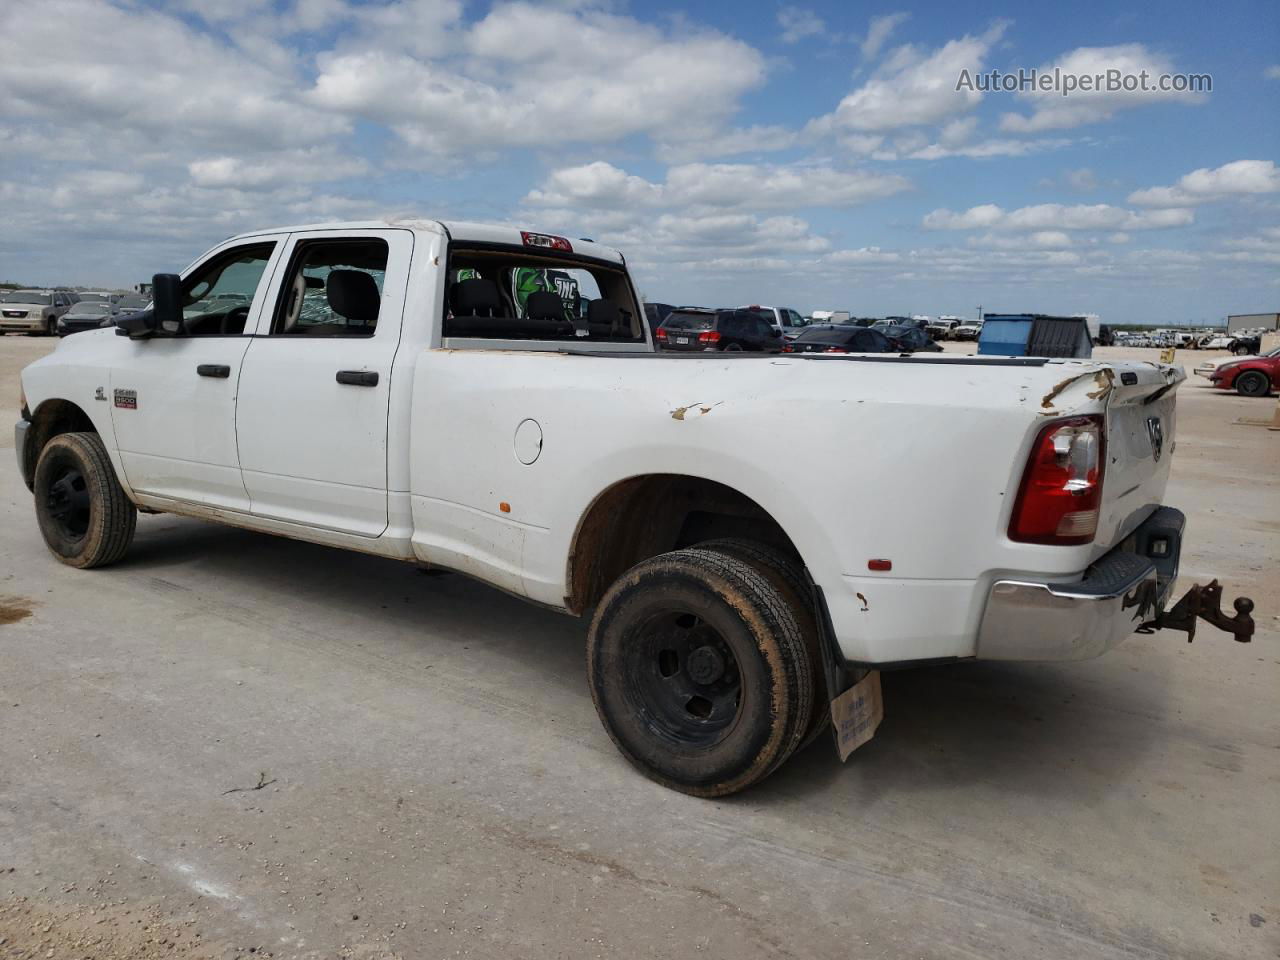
<point>175,428</point>
<point>312,443</point>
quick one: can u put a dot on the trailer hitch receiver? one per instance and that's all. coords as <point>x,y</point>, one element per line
<point>1205,603</point>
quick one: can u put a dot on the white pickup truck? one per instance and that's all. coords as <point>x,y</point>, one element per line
<point>488,400</point>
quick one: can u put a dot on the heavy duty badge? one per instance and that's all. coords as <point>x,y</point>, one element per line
<point>127,399</point>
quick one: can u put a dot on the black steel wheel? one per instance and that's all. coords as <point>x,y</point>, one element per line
<point>84,515</point>
<point>1253,383</point>
<point>699,671</point>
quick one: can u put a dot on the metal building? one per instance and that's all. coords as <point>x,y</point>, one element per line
<point>1250,321</point>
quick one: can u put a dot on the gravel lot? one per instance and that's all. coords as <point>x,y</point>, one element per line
<point>235,745</point>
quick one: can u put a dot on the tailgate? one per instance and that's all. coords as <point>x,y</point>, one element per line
<point>1141,421</point>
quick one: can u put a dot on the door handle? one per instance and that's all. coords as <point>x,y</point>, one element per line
<point>219,370</point>
<point>358,378</point>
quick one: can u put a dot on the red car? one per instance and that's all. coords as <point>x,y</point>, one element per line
<point>1249,376</point>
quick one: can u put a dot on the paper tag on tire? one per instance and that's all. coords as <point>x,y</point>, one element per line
<point>856,714</point>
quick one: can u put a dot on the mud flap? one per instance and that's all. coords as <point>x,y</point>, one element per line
<point>856,714</point>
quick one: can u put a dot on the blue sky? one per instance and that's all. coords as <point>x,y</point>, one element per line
<point>811,155</point>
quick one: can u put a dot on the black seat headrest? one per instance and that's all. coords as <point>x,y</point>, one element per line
<point>544,305</point>
<point>604,313</point>
<point>476,297</point>
<point>353,294</point>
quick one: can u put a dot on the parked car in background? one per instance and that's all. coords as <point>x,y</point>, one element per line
<point>829,316</point>
<point>787,321</point>
<point>130,302</point>
<point>33,311</point>
<point>839,338</point>
<point>904,339</point>
<point>94,296</point>
<point>942,327</point>
<point>728,330</point>
<point>1249,377</point>
<point>968,330</point>
<point>1242,346</point>
<point>85,315</point>
<point>655,313</point>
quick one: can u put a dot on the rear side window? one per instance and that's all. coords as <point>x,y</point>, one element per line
<point>333,289</point>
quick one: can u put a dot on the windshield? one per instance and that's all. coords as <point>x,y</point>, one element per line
<point>93,298</point>
<point>27,296</point>
<point>91,309</point>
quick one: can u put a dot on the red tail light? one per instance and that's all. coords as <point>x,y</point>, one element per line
<point>661,334</point>
<point>1061,492</point>
<point>788,348</point>
<point>709,336</point>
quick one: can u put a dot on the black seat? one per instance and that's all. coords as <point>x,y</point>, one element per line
<point>544,305</point>
<point>604,318</point>
<point>476,297</point>
<point>354,294</point>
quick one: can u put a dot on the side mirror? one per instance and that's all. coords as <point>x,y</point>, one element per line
<point>166,293</point>
<point>164,316</point>
<point>776,331</point>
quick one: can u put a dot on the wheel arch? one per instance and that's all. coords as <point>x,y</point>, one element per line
<point>50,418</point>
<point>646,515</point>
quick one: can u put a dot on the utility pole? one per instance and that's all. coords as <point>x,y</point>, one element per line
<point>979,313</point>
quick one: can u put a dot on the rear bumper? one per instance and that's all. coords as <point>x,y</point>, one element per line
<point>1031,620</point>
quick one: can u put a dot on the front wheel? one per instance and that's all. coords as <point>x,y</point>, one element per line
<point>1253,383</point>
<point>84,515</point>
<point>699,672</point>
<point>51,328</point>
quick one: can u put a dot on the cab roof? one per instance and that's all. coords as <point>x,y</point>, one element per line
<point>462,230</point>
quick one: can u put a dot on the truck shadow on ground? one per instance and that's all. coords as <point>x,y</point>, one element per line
<point>1070,731</point>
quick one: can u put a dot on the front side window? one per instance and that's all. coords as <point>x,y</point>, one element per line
<point>216,298</point>
<point>333,289</point>
<point>509,293</point>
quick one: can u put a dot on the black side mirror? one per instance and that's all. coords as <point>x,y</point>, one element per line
<point>166,305</point>
<point>164,316</point>
<point>776,331</point>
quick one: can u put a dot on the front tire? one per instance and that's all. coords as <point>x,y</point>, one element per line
<point>1253,383</point>
<point>84,515</point>
<point>699,672</point>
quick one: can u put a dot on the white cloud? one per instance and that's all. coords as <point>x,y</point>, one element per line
<point>1241,178</point>
<point>912,88</point>
<point>287,167</point>
<point>1056,216</point>
<point>740,185</point>
<point>189,88</point>
<point>1040,240</point>
<point>988,148</point>
<point>798,23</point>
<point>758,138</point>
<point>546,76</point>
<point>1272,72</point>
<point>1053,111</point>
<point>878,32</point>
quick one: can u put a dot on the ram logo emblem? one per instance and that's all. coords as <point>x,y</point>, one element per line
<point>1155,430</point>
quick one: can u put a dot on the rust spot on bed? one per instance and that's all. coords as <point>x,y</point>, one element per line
<point>1047,402</point>
<point>865,606</point>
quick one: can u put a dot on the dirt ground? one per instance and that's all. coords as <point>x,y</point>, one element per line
<point>232,745</point>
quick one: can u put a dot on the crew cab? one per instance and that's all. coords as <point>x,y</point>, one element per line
<point>489,401</point>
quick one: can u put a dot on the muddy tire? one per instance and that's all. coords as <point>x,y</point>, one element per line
<point>84,515</point>
<point>1253,383</point>
<point>699,672</point>
<point>787,576</point>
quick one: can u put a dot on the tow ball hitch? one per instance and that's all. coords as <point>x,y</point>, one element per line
<point>1205,603</point>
